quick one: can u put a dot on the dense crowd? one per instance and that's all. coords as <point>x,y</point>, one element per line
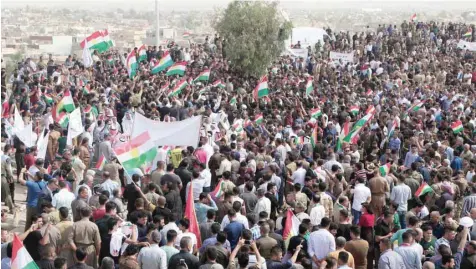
<point>294,191</point>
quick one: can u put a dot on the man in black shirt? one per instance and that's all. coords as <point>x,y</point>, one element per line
<point>111,208</point>
<point>184,255</point>
<point>34,239</point>
<point>383,230</point>
<point>48,254</point>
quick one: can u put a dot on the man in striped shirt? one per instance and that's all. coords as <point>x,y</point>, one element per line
<point>469,202</point>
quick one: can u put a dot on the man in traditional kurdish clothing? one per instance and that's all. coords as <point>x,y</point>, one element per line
<point>85,234</point>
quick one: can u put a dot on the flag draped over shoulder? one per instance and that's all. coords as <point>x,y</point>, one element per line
<point>192,216</point>
<point>218,191</point>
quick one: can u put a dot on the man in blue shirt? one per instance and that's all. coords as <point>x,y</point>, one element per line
<point>411,156</point>
<point>202,207</point>
<point>34,188</point>
<point>457,163</point>
<point>234,229</point>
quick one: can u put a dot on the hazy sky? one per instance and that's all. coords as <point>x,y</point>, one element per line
<point>194,4</point>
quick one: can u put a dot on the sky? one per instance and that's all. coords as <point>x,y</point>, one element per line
<point>196,4</point>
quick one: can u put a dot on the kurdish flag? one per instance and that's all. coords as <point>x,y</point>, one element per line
<point>97,41</point>
<point>164,63</point>
<point>413,17</point>
<point>218,191</point>
<point>384,169</point>
<point>261,89</point>
<point>165,88</point>
<point>457,127</point>
<point>66,103</point>
<point>354,110</point>
<point>139,152</point>
<point>177,69</point>
<point>343,133</point>
<point>369,92</point>
<point>110,60</point>
<point>86,89</point>
<point>107,38</point>
<point>309,86</point>
<point>178,88</point>
<point>392,128</point>
<point>186,34</point>
<point>131,64</point>
<point>314,137</point>
<point>469,33</point>
<point>204,76</point>
<point>416,106</point>
<point>192,216</point>
<point>370,109</point>
<point>63,120</point>
<point>291,227</point>
<point>142,51</point>
<point>218,84</point>
<point>21,259</point>
<point>357,128</point>
<point>315,113</point>
<point>101,162</point>
<point>233,101</point>
<point>423,189</point>
<point>259,118</point>
<point>48,99</point>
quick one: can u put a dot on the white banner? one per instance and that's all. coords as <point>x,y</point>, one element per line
<point>42,145</point>
<point>27,136</point>
<point>177,133</point>
<point>299,53</point>
<point>75,126</point>
<point>345,57</point>
<point>18,123</point>
<point>471,46</point>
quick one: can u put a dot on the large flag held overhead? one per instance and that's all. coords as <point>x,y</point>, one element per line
<point>98,40</point>
<point>177,69</point>
<point>42,145</point>
<point>164,62</point>
<point>261,90</point>
<point>142,51</point>
<point>139,152</point>
<point>66,104</point>
<point>291,227</point>
<point>178,88</point>
<point>191,216</point>
<point>343,133</point>
<point>204,76</point>
<point>351,137</point>
<point>131,64</point>
<point>21,259</point>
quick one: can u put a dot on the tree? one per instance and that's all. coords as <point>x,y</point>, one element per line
<point>254,34</point>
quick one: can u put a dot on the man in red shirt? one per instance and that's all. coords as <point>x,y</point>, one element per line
<point>99,212</point>
<point>30,157</point>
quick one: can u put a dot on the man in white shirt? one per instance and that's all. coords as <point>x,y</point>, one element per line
<point>321,242</point>
<point>153,256</point>
<point>263,204</point>
<point>63,198</point>
<point>198,184</point>
<point>362,194</point>
<point>300,174</point>
<point>108,184</point>
<point>318,212</point>
<point>206,177</point>
<point>184,225</point>
<point>400,195</point>
<point>238,218</point>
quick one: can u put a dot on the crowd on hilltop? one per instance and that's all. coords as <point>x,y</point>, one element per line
<point>371,167</point>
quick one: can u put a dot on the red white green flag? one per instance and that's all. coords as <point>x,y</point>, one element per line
<point>291,227</point>
<point>457,127</point>
<point>21,259</point>
<point>204,76</point>
<point>385,169</point>
<point>101,162</point>
<point>357,128</point>
<point>354,110</point>
<point>218,84</point>
<point>178,88</point>
<point>164,62</point>
<point>142,51</point>
<point>423,189</point>
<point>177,69</point>
<point>309,86</point>
<point>315,113</point>
<point>416,106</point>
<point>261,90</point>
<point>259,118</point>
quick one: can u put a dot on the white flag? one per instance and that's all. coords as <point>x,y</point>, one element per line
<point>9,128</point>
<point>18,124</point>
<point>75,126</point>
<point>42,144</point>
<point>87,59</point>
<point>27,136</point>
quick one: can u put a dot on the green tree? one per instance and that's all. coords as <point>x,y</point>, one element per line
<point>254,34</point>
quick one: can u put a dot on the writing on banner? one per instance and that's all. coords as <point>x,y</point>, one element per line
<point>300,53</point>
<point>465,45</point>
<point>340,56</point>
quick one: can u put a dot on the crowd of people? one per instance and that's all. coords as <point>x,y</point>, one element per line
<point>294,191</point>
